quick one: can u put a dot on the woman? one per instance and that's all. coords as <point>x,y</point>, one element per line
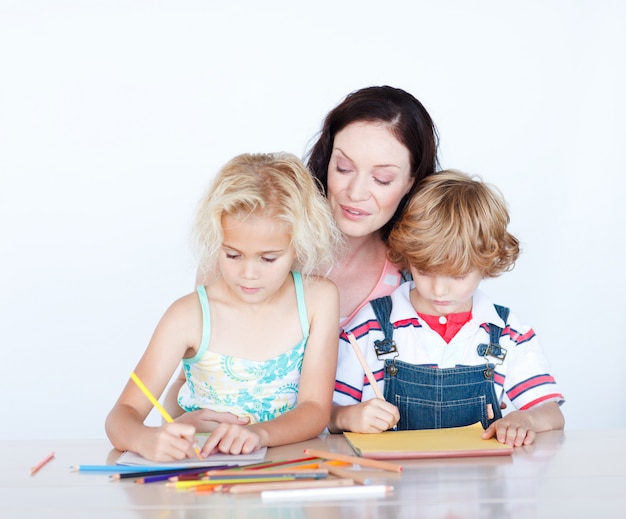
<point>372,151</point>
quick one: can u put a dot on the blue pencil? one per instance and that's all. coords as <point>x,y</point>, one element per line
<point>117,468</point>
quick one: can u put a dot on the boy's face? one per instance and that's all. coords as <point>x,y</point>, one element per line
<point>436,294</point>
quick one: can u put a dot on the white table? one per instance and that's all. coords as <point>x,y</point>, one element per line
<point>566,474</point>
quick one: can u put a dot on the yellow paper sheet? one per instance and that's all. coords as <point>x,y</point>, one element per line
<point>427,443</point>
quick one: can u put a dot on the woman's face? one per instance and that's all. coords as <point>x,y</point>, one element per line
<point>368,174</point>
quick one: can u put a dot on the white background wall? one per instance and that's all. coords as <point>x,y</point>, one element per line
<point>114,115</point>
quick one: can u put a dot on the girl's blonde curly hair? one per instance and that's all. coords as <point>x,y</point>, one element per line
<point>277,185</point>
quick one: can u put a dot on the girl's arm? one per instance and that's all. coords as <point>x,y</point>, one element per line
<point>204,420</point>
<point>310,417</point>
<point>521,427</point>
<point>175,336</point>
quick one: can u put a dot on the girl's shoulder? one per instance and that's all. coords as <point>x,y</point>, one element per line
<point>320,294</point>
<point>318,285</point>
<point>189,304</point>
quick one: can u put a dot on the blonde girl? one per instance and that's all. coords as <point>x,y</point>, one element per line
<point>258,340</point>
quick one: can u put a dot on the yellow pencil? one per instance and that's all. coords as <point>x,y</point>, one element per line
<point>166,416</point>
<point>226,481</point>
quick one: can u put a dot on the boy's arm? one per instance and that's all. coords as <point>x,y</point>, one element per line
<point>521,427</point>
<point>370,416</point>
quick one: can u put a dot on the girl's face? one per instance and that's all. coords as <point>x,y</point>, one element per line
<point>435,294</point>
<point>256,256</point>
<point>368,174</point>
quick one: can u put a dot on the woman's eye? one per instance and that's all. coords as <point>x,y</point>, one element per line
<point>268,260</point>
<point>382,182</point>
<point>232,256</point>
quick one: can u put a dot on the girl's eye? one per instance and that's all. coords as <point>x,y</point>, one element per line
<point>231,255</point>
<point>268,260</point>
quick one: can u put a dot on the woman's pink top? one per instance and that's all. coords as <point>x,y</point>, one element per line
<point>389,280</point>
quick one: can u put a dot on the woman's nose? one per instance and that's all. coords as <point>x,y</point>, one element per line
<point>357,188</point>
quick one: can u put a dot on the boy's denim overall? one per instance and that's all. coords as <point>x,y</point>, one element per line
<point>432,398</point>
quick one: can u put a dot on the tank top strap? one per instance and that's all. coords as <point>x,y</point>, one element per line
<point>304,318</point>
<point>206,326</point>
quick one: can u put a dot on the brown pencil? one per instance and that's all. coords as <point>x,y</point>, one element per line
<point>364,462</point>
<point>279,485</point>
<point>347,474</point>
<point>364,366</point>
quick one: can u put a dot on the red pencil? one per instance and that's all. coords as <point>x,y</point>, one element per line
<point>47,459</point>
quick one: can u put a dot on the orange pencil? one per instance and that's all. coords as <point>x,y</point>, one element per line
<point>36,468</point>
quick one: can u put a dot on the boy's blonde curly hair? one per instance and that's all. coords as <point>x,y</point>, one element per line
<point>454,224</point>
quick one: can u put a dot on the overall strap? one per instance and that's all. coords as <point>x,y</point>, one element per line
<point>382,309</point>
<point>495,332</point>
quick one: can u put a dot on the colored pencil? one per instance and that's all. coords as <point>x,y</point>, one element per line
<point>364,366</point>
<point>341,472</point>
<point>225,481</point>
<point>279,485</point>
<point>349,492</point>
<point>36,468</point>
<point>119,468</point>
<point>159,407</point>
<point>364,462</point>
<point>197,472</point>
<point>282,463</point>
<point>298,473</point>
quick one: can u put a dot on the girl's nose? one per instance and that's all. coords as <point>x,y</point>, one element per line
<point>249,269</point>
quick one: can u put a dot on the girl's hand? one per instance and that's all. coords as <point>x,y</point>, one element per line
<point>232,439</point>
<point>206,420</point>
<point>170,442</point>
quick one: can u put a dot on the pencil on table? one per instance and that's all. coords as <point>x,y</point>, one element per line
<point>350,492</point>
<point>279,485</point>
<point>166,416</point>
<point>364,462</point>
<point>36,468</point>
<point>347,474</point>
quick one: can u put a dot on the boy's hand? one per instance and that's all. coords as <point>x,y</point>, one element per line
<point>372,416</point>
<point>515,429</point>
